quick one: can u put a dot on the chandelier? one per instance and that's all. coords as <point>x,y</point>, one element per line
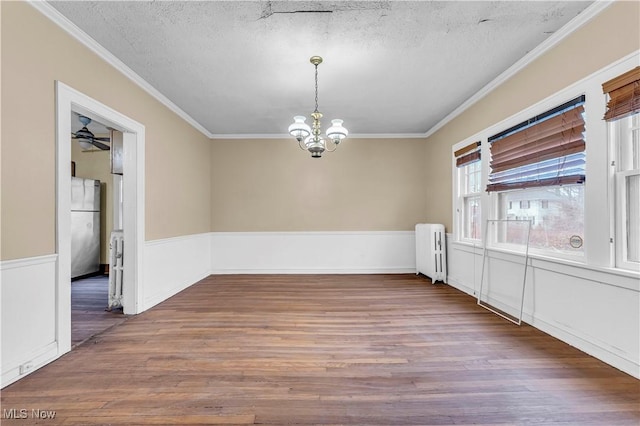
<point>309,138</point>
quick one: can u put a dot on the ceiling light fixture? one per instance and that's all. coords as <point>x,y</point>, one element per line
<point>309,138</point>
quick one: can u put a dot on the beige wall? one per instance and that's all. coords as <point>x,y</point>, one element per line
<point>35,53</point>
<point>610,36</point>
<point>271,185</point>
<point>195,185</point>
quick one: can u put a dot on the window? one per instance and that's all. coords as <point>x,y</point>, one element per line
<point>623,115</point>
<point>469,191</point>
<point>543,158</point>
<point>628,190</point>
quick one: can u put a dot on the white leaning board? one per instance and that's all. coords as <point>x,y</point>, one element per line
<point>431,254</point>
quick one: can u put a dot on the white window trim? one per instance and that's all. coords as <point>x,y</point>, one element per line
<point>619,211</point>
<point>459,199</point>
<point>621,219</point>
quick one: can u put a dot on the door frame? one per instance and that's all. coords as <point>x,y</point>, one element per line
<point>68,100</point>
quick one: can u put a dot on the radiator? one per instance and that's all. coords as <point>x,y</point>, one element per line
<point>116,251</point>
<point>431,253</point>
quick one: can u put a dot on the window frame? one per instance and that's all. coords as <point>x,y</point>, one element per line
<point>619,176</point>
<point>462,195</point>
<point>543,108</point>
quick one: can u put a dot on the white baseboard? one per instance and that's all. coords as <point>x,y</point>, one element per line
<point>385,252</point>
<point>592,311</point>
<point>585,344</point>
<point>457,284</point>
<point>575,338</point>
<point>173,264</point>
<point>35,360</point>
<point>28,315</point>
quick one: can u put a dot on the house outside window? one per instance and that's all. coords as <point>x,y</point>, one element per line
<point>552,231</point>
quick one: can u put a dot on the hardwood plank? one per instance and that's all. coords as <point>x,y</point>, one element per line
<point>89,298</point>
<point>325,349</point>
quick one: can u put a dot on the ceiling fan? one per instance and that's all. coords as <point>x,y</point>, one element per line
<point>87,138</point>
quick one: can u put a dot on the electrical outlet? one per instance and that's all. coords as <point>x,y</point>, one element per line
<point>26,367</point>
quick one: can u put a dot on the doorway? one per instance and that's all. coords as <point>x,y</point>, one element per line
<point>69,101</point>
<point>95,207</point>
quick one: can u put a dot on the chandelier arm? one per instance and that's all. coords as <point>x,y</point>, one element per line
<point>335,146</point>
<point>304,148</point>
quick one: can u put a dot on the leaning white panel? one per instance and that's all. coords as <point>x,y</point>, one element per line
<point>499,226</point>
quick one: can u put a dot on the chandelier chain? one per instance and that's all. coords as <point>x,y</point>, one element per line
<point>316,88</point>
<point>309,136</point>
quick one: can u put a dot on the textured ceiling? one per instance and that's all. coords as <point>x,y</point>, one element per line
<point>390,67</point>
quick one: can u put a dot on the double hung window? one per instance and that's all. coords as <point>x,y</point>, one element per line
<point>538,172</point>
<point>469,191</point>
<point>623,115</point>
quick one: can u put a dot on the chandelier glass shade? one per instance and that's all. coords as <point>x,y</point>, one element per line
<point>310,137</point>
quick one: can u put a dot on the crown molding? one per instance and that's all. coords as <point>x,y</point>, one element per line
<point>581,19</point>
<point>288,136</point>
<point>387,136</point>
<point>74,31</point>
<point>251,136</point>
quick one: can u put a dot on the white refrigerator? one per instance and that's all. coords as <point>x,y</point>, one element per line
<point>85,226</point>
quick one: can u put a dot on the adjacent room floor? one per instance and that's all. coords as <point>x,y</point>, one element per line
<point>325,349</point>
<point>89,300</point>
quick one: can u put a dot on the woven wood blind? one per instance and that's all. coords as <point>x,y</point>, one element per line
<point>548,152</point>
<point>624,95</point>
<point>467,155</point>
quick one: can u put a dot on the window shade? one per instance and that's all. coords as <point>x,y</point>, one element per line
<point>467,155</point>
<point>545,150</point>
<point>624,95</point>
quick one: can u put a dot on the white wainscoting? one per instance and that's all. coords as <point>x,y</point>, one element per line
<point>173,264</point>
<point>594,310</point>
<point>313,252</point>
<point>28,315</point>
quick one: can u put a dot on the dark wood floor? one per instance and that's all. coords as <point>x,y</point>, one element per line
<point>332,349</point>
<point>89,298</point>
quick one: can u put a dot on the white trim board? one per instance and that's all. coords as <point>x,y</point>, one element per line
<point>374,252</point>
<point>27,262</point>
<point>68,100</point>
<point>174,264</point>
<point>287,136</point>
<point>27,316</point>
